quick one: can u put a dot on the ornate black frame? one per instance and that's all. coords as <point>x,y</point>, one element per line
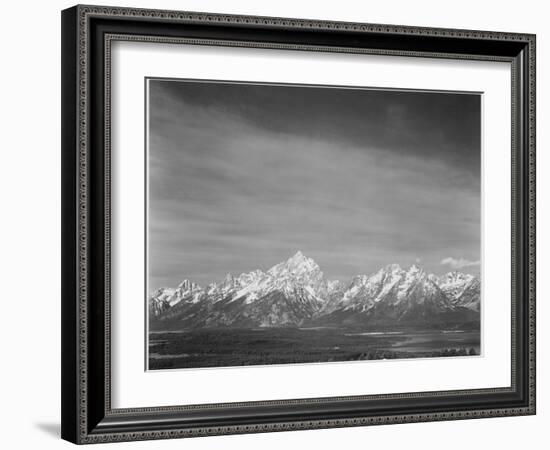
<point>87,416</point>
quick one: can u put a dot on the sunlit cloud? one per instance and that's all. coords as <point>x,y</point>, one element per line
<point>458,263</point>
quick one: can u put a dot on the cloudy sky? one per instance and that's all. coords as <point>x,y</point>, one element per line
<point>243,176</point>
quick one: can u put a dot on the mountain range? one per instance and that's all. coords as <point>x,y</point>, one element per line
<point>295,293</point>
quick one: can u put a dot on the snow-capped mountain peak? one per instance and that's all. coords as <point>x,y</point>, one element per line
<point>414,270</point>
<point>187,291</point>
<point>295,292</point>
<point>187,285</point>
<point>454,284</point>
<point>299,264</point>
<point>394,269</point>
<point>455,277</point>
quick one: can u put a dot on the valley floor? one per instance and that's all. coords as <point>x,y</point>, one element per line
<point>264,346</point>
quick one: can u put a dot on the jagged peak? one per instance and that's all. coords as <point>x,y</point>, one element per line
<point>228,278</point>
<point>361,279</point>
<point>162,291</point>
<point>299,259</point>
<point>246,277</point>
<point>298,263</point>
<point>300,270</point>
<point>393,268</point>
<point>456,276</point>
<point>298,256</point>
<point>415,271</point>
<point>188,285</point>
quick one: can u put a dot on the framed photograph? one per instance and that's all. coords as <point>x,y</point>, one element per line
<point>277,224</point>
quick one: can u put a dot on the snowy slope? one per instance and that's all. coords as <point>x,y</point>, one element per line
<point>294,292</point>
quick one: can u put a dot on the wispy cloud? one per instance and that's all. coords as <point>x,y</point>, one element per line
<point>458,263</point>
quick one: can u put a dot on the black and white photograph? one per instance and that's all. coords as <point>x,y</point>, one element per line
<point>310,224</point>
<point>275,220</point>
